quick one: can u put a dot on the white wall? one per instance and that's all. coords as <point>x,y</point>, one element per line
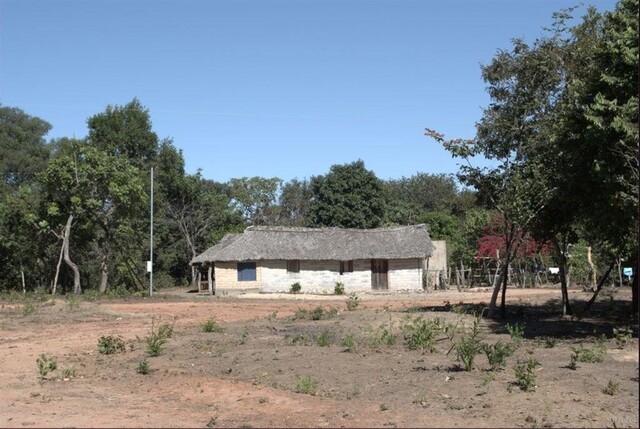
<point>321,276</point>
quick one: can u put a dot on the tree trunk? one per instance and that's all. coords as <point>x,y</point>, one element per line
<point>634,291</point>
<point>597,291</point>
<point>619,262</point>
<point>462,282</point>
<point>67,259</point>
<point>592,273</point>
<point>24,284</point>
<point>104,272</point>
<point>55,278</point>
<point>564,277</point>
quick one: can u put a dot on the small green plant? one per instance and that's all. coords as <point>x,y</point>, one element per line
<point>497,354</point>
<point>28,308</point>
<point>384,407</point>
<point>582,354</point>
<point>383,336</point>
<point>317,313</point>
<point>143,367</point>
<point>244,336</point>
<point>349,341</point>
<point>550,342</point>
<point>525,376</point>
<point>469,346</point>
<point>156,339</point>
<point>73,301</point>
<point>306,385</point>
<point>212,421</point>
<point>622,336</point>
<point>339,288</point>
<point>295,288</point>
<point>488,378</point>
<point>165,330</point>
<point>353,301</point>
<point>273,316</point>
<point>324,339</point>
<point>212,326</point>
<point>46,364</point>
<point>516,332</point>
<point>110,345</point>
<point>420,334</point>
<point>68,373</point>
<point>612,389</point>
<point>301,339</point>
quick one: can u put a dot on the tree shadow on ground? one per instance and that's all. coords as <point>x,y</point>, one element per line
<point>546,320</point>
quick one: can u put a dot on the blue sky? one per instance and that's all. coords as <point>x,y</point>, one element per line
<point>269,87</point>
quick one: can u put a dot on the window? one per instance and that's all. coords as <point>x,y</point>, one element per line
<point>293,266</point>
<point>246,271</point>
<point>346,267</point>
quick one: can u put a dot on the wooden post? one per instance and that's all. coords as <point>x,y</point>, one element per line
<point>210,279</point>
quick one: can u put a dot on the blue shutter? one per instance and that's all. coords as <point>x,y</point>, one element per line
<point>246,271</point>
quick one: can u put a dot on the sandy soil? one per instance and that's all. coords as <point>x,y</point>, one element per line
<point>251,373</point>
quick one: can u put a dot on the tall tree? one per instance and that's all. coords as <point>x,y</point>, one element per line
<point>349,196</point>
<point>84,184</point>
<point>256,198</point>
<point>23,150</point>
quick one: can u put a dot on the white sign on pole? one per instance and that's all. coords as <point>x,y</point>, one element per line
<point>148,266</point>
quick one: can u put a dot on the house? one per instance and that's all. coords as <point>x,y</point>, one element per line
<point>271,259</point>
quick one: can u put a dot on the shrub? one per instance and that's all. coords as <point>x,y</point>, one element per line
<point>348,341</point>
<point>525,377</point>
<point>143,367</point>
<point>157,338</point>
<point>110,345</point>
<point>622,336</point>
<point>306,385</point>
<point>550,342</point>
<point>165,330</point>
<point>612,389</point>
<point>317,313</point>
<point>497,354</point>
<point>295,288</point>
<point>324,339</point>
<point>28,308</point>
<point>517,333</point>
<point>339,288</point>
<point>420,334</point>
<point>383,336</point>
<point>469,346</point>
<point>244,336</point>
<point>46,364</point>
<point>353,301</point>
<point>212,326</point>
<point>68,373</point>
<point>301,338</point>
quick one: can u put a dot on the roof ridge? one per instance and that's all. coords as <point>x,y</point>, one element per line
<point>301,229</point>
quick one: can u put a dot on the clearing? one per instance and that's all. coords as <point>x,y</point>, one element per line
<point>271,361</point>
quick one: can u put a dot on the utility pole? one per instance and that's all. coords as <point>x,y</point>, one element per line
<point>150,267</point>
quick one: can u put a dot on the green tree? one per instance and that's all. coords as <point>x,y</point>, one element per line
<point>124,131</point>
<point>349,196</point>
<point>84,184</point>
<point>294,201</point>
<point>431,192</point>
<point>256,198</point>
<point>23,150</point>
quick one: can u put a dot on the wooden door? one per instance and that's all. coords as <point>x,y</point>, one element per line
<point>379,270</point>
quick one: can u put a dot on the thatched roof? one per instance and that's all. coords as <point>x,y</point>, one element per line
<point>290,243</point>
